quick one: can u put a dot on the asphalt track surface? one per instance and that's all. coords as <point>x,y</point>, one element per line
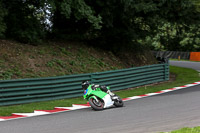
<point>164,112</point>
<point>186,64</point>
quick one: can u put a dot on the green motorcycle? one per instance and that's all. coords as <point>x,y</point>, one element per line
<point>99,99</point>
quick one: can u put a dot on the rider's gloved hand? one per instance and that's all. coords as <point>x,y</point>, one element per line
<point>110,93</point>
<point>96,86</point>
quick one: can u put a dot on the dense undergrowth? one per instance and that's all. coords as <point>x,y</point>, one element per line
<point>49,59</point>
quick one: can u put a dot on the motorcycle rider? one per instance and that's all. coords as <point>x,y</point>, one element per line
<point>86,84</point>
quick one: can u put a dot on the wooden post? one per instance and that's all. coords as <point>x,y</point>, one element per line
<point>179,57</point>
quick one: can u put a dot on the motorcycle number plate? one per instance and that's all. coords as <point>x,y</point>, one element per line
<point>85,92</point>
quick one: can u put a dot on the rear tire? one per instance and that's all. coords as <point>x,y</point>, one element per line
<point>96,105</point>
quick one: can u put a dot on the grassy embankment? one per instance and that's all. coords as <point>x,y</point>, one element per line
<point>27,61</point>
<point>62,58</point>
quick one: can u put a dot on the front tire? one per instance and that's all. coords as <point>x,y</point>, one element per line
<point>96,105</point>
<point>119,102</point>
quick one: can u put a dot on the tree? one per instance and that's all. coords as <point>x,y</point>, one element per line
<point>3,13</point>
<point>113,24</point>
<point>123,22</point>
<point>22,22</point>
<point>74,18</point>
<point>197,4</point>
<point>178,27</point>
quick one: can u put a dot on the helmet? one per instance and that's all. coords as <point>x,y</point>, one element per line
<point>85,85</point>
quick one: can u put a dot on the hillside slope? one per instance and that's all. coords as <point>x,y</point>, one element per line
<point>61,58</point>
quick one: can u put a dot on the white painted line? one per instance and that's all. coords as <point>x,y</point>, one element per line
<point>164,91</point>
<point>177,88</point>
<point>24,114</point>
<point>135,97</point>
<point>36,112</point>
<point>74,107</point>
<point>80,106</point>
<point>70,108</point>
<point>152,94</point>
<point>190,85</point>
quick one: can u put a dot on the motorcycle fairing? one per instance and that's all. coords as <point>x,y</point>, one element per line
<point>107,101</point>
<point>89,92</point>
<point>99,94</point>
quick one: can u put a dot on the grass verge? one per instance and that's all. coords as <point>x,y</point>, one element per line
<point>186,130</point>
<point>183,76</point>
<point>178,59</point>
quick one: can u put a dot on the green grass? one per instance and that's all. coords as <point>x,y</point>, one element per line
<point>178,59</point>
<point>183,76</point>
<point>186,130</point>
<point>49,105</point>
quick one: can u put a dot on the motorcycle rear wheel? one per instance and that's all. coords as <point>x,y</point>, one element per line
<point>96,105</point>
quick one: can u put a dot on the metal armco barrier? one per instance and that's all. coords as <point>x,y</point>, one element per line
<point>43,89</point>
<point>172,54</point>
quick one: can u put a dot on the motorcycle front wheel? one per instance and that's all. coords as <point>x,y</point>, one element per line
<point>119,102</point>
<point>96,105</point>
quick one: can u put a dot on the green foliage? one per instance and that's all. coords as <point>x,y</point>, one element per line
<point>80,10</point>
<point>113,25</point>
<point>197,5</point>
<point>123,22</point>
<point>162,23</point>
<point>22,22</point>
<point>3,12</point>
<point>177,27</point>
<point>50,63</point>
<point>9,73</point>
<point>186,130</point>
<point>74,19</point>
<point>6,75</point>
<point>175,37</point>
<point>65,51</point>
<point>56,62</point>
